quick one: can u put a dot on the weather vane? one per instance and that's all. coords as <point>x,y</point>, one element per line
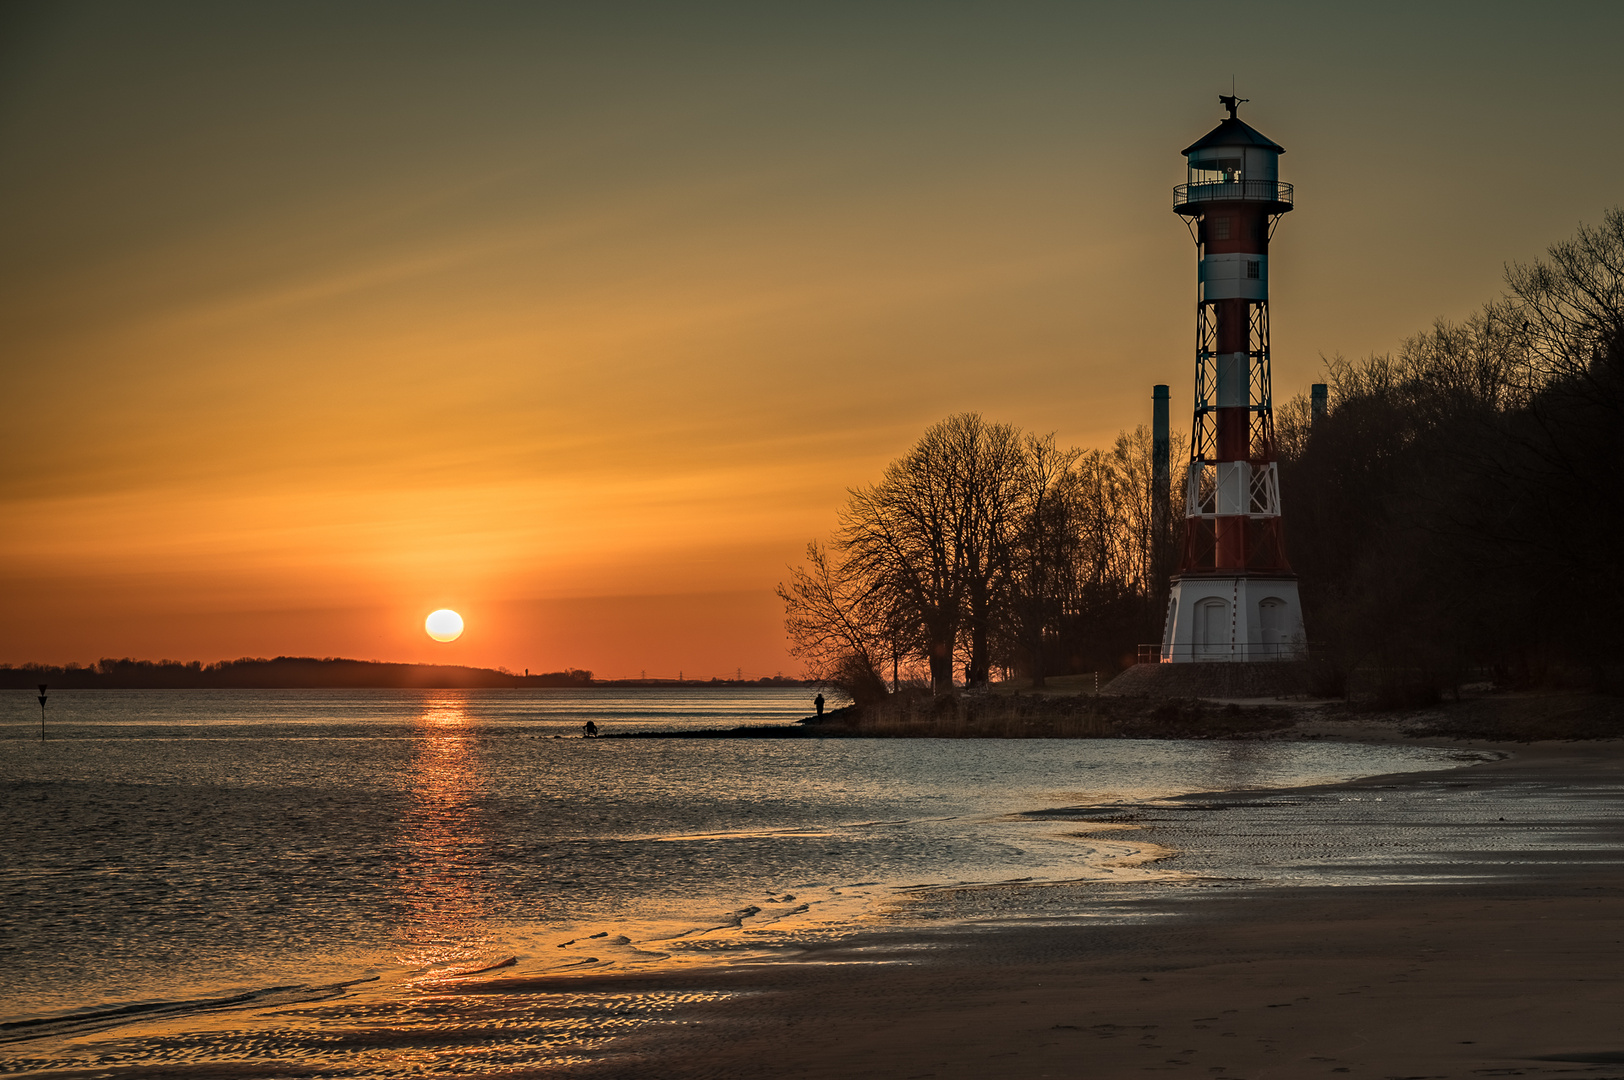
<point>1231,102</point>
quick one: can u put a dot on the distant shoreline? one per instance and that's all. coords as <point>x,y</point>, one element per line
<point>334,673</point>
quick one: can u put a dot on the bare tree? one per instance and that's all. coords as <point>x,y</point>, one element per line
<point>980,544</point>
<point>994,467</point>
<point>825,617</point>
<point>1133,495</point>
<point>1573,305</point>
<point>1043,556</point>
<point>931,538</point>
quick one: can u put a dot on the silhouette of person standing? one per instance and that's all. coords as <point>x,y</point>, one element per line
<point>817,703</point>
<point>591,729</point>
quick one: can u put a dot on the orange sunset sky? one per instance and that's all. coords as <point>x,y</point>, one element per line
<point>580,319</point>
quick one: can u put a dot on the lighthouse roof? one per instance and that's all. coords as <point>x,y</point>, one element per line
<point>1234,132</point>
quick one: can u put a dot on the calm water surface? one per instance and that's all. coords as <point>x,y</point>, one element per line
<point>160,845</point>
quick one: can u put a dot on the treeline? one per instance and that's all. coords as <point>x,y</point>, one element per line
<point>985,548</point>
<point>1459,513</point>
<point>283,672</point>
<point>1456,514</point>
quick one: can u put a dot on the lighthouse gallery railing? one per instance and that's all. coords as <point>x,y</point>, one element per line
<point>1275,191</point>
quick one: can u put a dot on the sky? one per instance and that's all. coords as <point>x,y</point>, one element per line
<point>582,319</point>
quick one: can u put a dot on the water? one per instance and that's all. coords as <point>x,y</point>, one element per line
<point>162,846</point>
<point>329,713</point>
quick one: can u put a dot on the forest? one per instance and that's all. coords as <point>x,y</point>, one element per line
<point>1454,516</point>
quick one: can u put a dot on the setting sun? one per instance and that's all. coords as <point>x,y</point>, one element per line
<point>444,625</point>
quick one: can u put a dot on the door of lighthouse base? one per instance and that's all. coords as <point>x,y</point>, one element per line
<point>1229,619</point>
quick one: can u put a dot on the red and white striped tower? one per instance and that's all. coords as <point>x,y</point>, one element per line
<point>1234,597</point>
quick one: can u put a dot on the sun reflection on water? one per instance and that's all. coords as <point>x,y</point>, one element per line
<point>443,845</point>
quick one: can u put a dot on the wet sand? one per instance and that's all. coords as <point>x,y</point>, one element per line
<point>1459,924</point>
<point>1378,982</point>
<point>1509,962</point>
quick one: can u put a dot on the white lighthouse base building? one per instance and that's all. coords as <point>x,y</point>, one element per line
<point>1246,618</point>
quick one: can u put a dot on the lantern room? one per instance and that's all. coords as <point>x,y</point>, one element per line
<point>1234,162</point>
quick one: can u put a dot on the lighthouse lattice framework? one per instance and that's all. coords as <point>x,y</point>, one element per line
<point>1234,597</point>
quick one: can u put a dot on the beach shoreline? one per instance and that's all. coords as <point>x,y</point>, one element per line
<point>1520,972</point>
<point>1508,979</point>
<point>1466,972</point>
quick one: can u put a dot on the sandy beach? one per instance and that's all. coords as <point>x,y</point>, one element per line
<point>1515,980</point>
<point>1512,965</point>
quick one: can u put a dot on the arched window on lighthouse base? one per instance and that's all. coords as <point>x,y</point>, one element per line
<point>1212,631</point>
<point>1272,630</point>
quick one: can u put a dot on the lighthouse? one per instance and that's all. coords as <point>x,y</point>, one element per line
<point>1234,597</point>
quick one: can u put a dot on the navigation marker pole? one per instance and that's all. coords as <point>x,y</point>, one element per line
<point>41,712</point>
